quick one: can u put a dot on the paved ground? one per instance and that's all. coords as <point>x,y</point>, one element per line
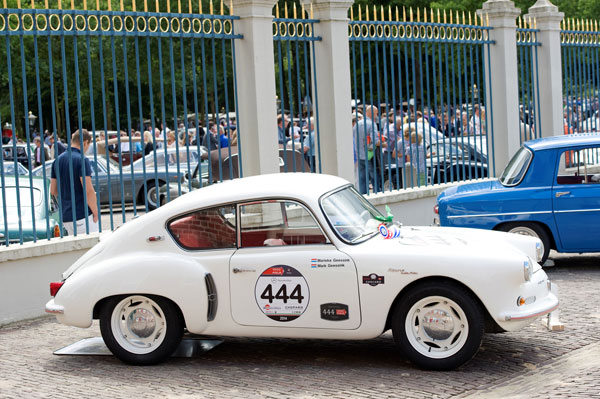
<point>533,363</point>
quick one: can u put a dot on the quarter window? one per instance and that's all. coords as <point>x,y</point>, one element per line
<point>276,223</point>
<point>212,228</point>
<point>579,166</point>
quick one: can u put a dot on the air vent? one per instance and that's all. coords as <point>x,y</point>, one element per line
<point>211,290</point>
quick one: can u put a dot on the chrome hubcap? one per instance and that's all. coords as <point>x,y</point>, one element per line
<point>138,324</point>
<point>436,327</point>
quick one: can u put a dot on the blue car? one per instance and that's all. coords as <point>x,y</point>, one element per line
<point>550,189</point>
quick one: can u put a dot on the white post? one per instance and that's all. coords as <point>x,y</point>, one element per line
<point>334,87</point>
<point>547,19</point>
<point>255,71</point>
<point>502,16</point>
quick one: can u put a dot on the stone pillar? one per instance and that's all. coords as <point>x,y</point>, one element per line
<point>548,20</point>
<point>255,71</point>
<point>502,16</point>
<point>334,87</point>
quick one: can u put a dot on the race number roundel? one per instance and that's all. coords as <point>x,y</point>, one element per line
<point>281,293</point>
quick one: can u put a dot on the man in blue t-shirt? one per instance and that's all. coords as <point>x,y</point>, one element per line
<point>61,171</point>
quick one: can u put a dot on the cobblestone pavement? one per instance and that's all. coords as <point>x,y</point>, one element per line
<point>530,363</point>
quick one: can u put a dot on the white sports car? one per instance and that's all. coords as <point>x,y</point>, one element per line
<point>300,256</point>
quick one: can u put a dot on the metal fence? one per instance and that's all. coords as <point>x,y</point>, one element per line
<point>422,115</point>
<point>580,46</point>
<point>148,85</point>
<point>530,126</point>
<point>298,119</point>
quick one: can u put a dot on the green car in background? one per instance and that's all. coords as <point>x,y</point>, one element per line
<point>43,211</point>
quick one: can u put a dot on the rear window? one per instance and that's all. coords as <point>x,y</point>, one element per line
<point>205,229</point>
<point>516,168</point>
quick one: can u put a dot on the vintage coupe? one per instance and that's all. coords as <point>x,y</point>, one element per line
<point>300,256</point>
<point>549,190</point>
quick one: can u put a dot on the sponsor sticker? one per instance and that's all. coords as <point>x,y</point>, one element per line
<point>334,311</point>
<point>373,280</point>
<point>282,293</point>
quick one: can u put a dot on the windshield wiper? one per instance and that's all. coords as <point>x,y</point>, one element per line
<point>365,235</point>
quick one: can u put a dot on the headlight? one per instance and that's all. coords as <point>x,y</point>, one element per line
<point>539,252</point>
<point>527,270</point>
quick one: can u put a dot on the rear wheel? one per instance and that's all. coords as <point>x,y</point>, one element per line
<point>532,230</point>
<point>141,329</point>
<point>438,325</point>
<point>152,194</point>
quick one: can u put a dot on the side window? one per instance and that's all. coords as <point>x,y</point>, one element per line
<point>276,223</point>
<point>212,228</point>
<point>579,166</point>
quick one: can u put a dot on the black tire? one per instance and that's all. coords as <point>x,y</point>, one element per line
<point>451,339</point>
<point>147,195</point>
<point>156,321</point>
<point>533,230</point>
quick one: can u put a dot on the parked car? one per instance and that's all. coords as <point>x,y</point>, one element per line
<point>138,187</point>
<point>9,169</point>
<point>23,157</point>
<point>299,255</point>
<point>457,158</point>
<point>225,166</point>
<point>549,190</point>
<point>35,209</point>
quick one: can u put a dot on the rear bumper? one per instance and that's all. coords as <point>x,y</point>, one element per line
<point>53,308</point>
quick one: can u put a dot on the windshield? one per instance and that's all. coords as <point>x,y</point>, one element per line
<point>516,168</point>
<point>351,216</point>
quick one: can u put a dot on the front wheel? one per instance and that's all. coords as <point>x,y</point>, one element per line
<point>438,325</point>
<point>141,329</point>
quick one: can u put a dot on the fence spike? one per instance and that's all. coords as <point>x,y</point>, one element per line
<point>97,5</point>
<point>19,4</point>
<point>295,15</point>
<point>120,4</point>
<point>374,12</point>
<point>438,15</point>
<point>351,13</point>
<point>457,17</point>
<point>382,14</point>
<point>431,18</point>
<point>189,6</point>
<point>444,16</point>
<point>464,19</point>
<point>359,12</point>
<point>285,10</point>
<point>390,15</point>
<point>425,15</point>
<point>470,20</point>
<point>33,4</point>
<point>367,12</point>
<point>132,4</point>
<point>222,8</point>
<point>403,13</point>
<point>487,19</point>
<point>199,6</point>
<point>45,3</point>
<point>276,10</point>
<point>312,15</point>
<point>60,4</point>
<point>410,14</point>
<point>211,7</point>
<point>595,26</point>
<point>451,20</point>
<point>418,14</point>
<point>397,14</point>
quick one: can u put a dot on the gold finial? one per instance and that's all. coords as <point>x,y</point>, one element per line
<point>397,14</point>
<point>367,12</point>
<point>487,19</point>
<point>439,16</point>
<point>425,15</point>
<point>199,6</point>
<point>120,3</point>
<point>431,18</point>
<point>222,8</point>
<point>390,15</point>
<point>295,15</point>
<point>374,13</point>
<point>45,4</point>
<point>418,14</point>
<point>457,17</point>
<point>169,6</point>
<point>312,15</point>
<point>32,4</point>
<point>403,14</point>
<point>444,16</point>
<point>382,15</point>
<point>156,3</point>
<point>230,7</point>
<point>464,19</point>
<point>351,13</point>
<point>179,6</point>
<point>285,11</point>
<point>132,5</point>
<point>18,3</point>
<point>470,20</point>
<point>520,22</point>
<point>277,10</point>
<point>60,4</point>
<point>596,26</point>
<point>97,5</point>
<point>359,12</point>
<point>189,6</point>
<point>451,21</point>
<point>410,14</point>
<point>211,8</point>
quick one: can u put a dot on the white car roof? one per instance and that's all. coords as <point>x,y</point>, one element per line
<point>304,186</point>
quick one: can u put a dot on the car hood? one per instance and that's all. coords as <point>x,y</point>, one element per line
<point>461,241</point>
<point>471,189</point>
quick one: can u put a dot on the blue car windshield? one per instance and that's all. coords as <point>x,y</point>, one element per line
<point>516,168</point>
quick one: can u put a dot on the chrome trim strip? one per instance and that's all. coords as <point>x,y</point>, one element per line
<point>54,309</point>
<point>530,315</point>
<point>578,210</point>
<point>499,214</point>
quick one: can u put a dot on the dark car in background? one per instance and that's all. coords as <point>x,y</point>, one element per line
<point>550,189</point>
<point>24,157</point>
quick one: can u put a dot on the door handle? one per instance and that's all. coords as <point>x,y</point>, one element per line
<point>236,270</point>
<point>561,193</point>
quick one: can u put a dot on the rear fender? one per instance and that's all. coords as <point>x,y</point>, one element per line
<point>179,279</point>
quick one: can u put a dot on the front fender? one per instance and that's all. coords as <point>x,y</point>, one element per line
<point>179,279</point>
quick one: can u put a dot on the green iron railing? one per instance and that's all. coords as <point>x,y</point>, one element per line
<point>427,75</point>
<point>118,74</point>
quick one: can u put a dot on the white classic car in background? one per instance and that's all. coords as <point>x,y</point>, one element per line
<point>300,256</point>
